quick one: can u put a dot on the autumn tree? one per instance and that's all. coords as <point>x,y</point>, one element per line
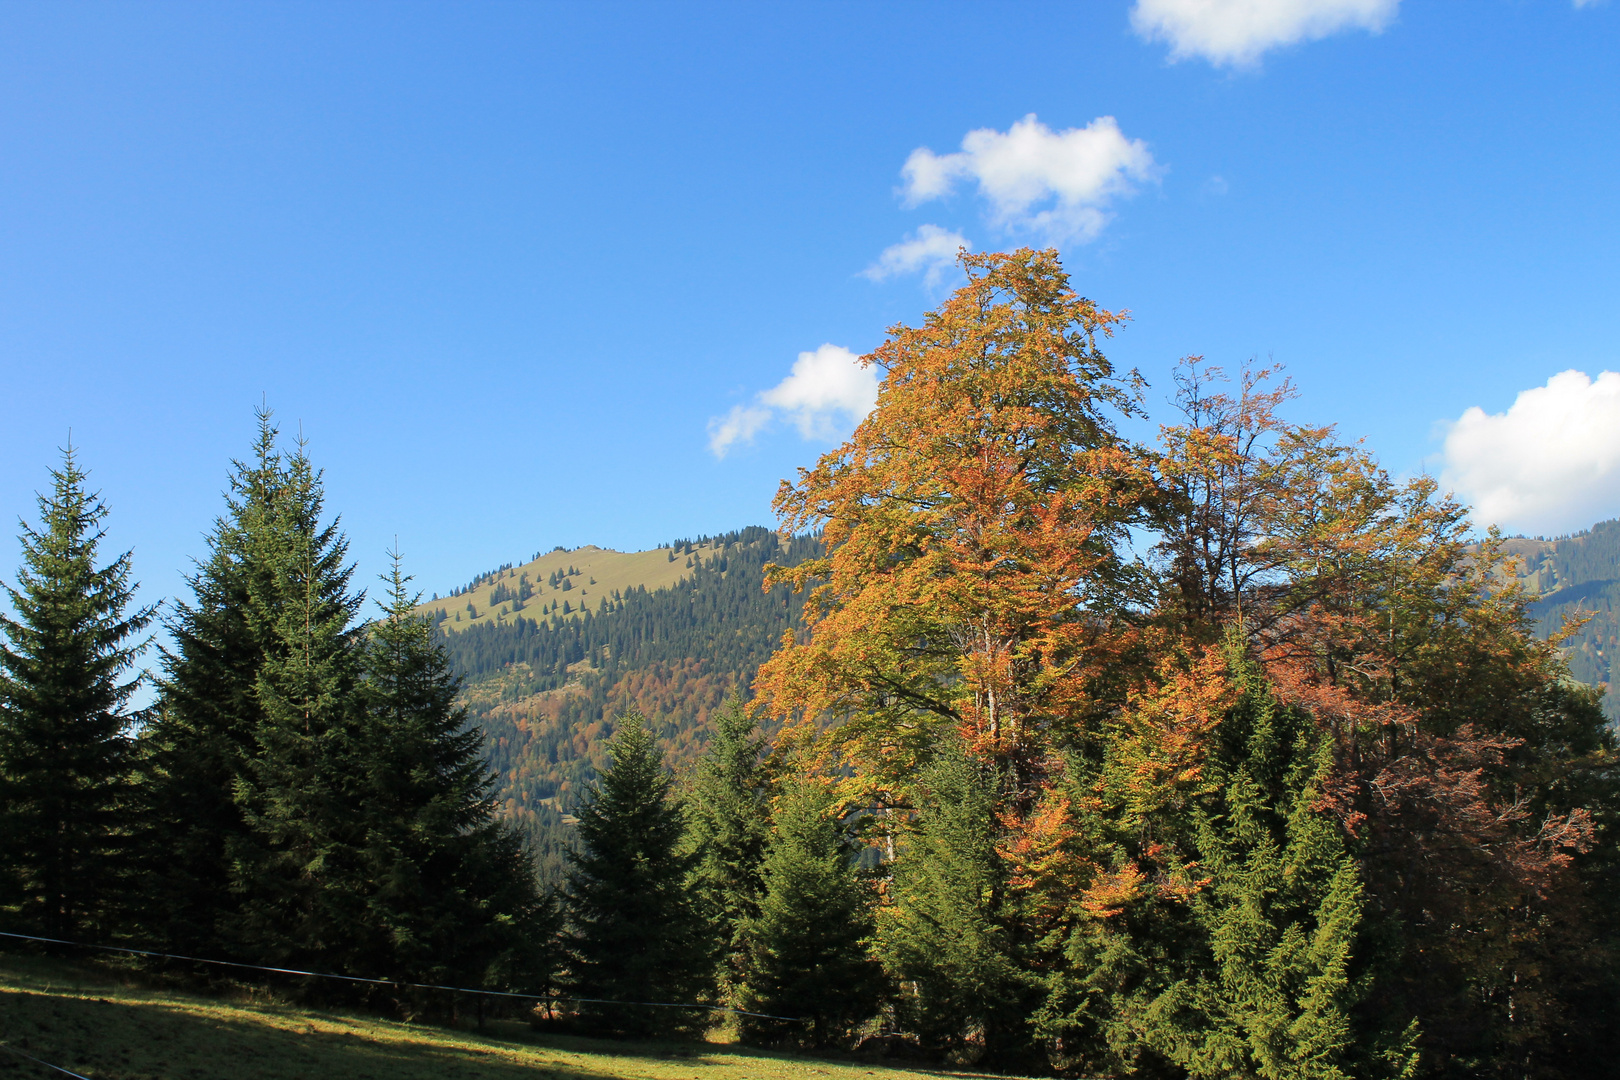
<point>974,524</point>
<point>976,595</point>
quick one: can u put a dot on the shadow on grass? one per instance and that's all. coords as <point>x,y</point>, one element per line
<point>110,1024</point>
<point>136,1040</point>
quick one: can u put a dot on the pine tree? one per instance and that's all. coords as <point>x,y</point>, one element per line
<point>451,894</point>
<point>66,764</point>
<point>204,729</point>
<point>636,936</point>
<point>809,947</point>
<point>302,794</point>
<point>728,818</point>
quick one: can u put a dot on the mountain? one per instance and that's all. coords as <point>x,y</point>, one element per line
<point>553,650</point>
<point>1576,576</point>
<point>577,577</point>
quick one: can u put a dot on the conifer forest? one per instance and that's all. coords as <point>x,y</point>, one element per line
<point>1047,734</point>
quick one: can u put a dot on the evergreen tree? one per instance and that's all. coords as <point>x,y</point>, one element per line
<point>636,935</point>
<point>952,932</point>
<point>728,819</point>
<point>451,894</point>
<point>808,949</point>
<point>1283,915</point>
<point>1247,952</point>
<point>204,729</point>
<point>303,793</point>
<point>65,758</point>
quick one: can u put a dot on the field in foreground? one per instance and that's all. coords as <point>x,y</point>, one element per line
<point>98,1023</point>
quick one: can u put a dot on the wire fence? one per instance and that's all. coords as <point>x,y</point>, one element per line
<point>41,1061</point>
<point>400,983</point>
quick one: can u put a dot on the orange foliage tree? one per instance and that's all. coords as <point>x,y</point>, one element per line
<point>974,524</point>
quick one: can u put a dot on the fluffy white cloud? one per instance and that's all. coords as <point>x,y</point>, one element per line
<point>1550,464</point>
<point>827,390</point>
<point>931,250</point>
<point>741,424</point>
<point>1058,184</point>
<point>1236,32</point>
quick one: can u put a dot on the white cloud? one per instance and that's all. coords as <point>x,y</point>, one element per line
<point>1550,464</point>
<point>823,384</point>
<point>932,249</point>
<point>741,424</point>
<point>1055,183</point>
<point>1237,32</point>
<point>828,389</point>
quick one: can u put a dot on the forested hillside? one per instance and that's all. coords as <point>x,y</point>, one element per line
<point>545,689</point>
<point>1575,576</point>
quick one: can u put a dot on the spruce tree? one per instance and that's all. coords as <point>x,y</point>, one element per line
<point>635,933</point>
<point>728,828</point>
<point>808,948</point>
<point>66,764</point>
<point>1283,914</point>
<point>302,794</point>
<point>451,894</point>
<point>952,933</point>
<point>204,729</point>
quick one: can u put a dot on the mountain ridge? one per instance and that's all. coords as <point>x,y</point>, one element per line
<point>1574,576</point>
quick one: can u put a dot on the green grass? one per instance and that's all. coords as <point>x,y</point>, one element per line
<point>110,1026</point>
<point>622,570</point>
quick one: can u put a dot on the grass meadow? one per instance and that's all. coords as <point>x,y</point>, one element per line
<point>109,1024</point>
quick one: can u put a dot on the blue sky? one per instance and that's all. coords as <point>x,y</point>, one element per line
<point>510,267</point>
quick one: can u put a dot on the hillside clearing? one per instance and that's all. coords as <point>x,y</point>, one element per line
<point>108,1027</point>
<point>598,572</point>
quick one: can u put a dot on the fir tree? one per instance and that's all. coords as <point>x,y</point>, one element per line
<point>65,757</point>
<point>302,794</point>
<point>451,890</point>
<point>636,935</point>
<point>952,932</point>
<point>728,828</point>
<point>808,948</point>
<point>1283,915</point>
<point>203,732</point>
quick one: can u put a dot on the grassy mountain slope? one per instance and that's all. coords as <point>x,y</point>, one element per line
<point>102,1023</point>
<point>545,688</point>
<point>582,577</point>
<point>1575,576</point>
